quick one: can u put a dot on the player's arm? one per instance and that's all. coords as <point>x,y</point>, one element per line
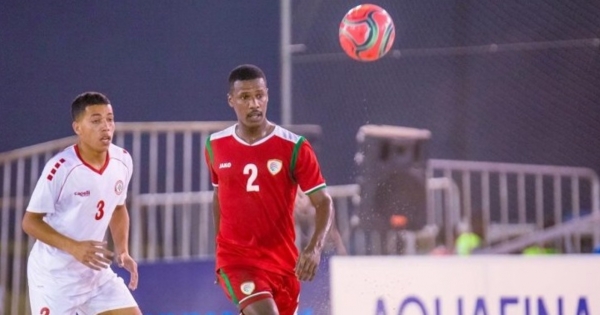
<point>323,205</point>
<point>309,259</point>
<point>208,155</point>
<point>216,216</point>
<point>90,253</point>
<point>216,211</point>
<point>119,229</point>
<point>34,225</point>
<point>306,171</point>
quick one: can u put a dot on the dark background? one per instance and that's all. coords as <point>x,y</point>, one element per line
<point>536,99</point>
<point>156,60</point>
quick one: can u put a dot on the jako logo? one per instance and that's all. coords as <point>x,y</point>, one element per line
<point>82,193</point>
<point>225,165</point>
<point>523,305</point>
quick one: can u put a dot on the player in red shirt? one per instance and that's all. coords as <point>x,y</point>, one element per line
<point>256,168</point>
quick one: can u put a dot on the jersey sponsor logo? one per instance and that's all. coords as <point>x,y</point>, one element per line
<point>82,193</point>
<point>119,187</point>
<point>274,166</point>
<point>247,287</point>
<point>225,165</point>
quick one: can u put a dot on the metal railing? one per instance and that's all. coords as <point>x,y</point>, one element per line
<point>502,201</point>
<point>562,232</point>
<point>193,236</point>
<point>170,202</point>
<point>167,156</point>
<point>179,225</point>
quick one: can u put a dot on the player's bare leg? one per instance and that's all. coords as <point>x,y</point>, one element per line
<point>123,311</point>
<point>261,307</point>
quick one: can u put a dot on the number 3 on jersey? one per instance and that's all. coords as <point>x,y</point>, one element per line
<point>252,170</point>
<point>100,212</point>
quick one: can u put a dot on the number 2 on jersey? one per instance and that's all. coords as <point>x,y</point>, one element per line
<point>100,212</point>
<point>252,170</point>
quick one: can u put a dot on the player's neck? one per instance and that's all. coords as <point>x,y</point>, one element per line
<point>94,158</point>
<point>253,134</point>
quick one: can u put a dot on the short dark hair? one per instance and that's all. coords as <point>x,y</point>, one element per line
<point>244,73</point>
<point>86,99</point>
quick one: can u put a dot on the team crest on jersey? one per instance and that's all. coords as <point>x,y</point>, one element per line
<point>274,166</point>
<point>119,187</point>
<point>247,287</point>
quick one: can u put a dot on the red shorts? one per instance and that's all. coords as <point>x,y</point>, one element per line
<point>246,285</point>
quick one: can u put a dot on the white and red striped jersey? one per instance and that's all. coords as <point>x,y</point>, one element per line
<point>79,201</point>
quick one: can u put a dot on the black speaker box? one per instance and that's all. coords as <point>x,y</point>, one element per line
<point>392,165</point>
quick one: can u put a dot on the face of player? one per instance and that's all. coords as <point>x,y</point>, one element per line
<point>95,127</point>
<point>249,100</point>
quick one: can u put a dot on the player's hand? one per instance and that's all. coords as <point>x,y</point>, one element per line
<point>93,254</point>
<point>127,262</point>
<point>308,263</point>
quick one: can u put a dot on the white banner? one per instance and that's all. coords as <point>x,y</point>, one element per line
<point>476,285</point>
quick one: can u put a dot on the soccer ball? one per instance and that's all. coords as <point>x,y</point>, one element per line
<point>367,32</point>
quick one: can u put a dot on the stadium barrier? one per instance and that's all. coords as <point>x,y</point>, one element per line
<point>402,285</point>
<point>505,201</point>
<point>491,285</point>
<point>169,200</point>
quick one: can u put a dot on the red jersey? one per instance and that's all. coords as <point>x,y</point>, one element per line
<point>256,190</point>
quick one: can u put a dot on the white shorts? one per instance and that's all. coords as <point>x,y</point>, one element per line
<point>112,295</point>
